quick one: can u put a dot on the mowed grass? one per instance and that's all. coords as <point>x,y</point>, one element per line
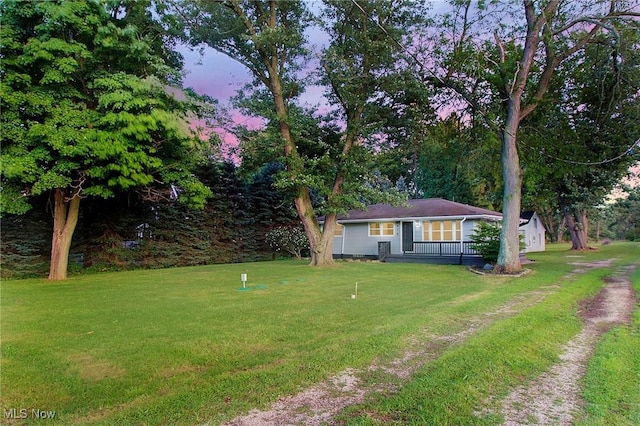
<point>186,346</point>
<point>612,382</point>
<point>466,384</point>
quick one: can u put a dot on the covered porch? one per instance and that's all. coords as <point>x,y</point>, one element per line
<point>432,252</point>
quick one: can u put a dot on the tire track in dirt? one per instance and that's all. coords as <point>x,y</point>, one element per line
<point>554,397</point>
<point>319,404</point>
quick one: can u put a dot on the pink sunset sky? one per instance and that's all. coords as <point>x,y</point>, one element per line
<point>220,77</point>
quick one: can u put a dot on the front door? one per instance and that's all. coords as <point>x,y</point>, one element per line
<point>407,236</point>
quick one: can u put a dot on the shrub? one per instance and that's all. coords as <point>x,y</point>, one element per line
<point>290,239</point>
<point>486,239</point>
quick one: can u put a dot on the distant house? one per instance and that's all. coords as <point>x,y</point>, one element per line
<point>430,230</point>
<point>533,232</point>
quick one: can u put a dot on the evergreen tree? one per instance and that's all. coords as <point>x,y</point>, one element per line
<point>26,243</point>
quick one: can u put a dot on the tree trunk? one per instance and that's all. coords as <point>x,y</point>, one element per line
<point>324,248</point>
<point>65,218</point>
<point>320,243</point>
<point>552,225</point>
<point>577,223</point>
<point>509,254</point>
<point>562,228</point>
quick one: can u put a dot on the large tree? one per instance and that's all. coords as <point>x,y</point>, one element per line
<point>87,111</point>
<point>267,36</point>
<point>514,67</point>
<point>581,143</point>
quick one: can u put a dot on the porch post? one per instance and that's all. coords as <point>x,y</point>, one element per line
<point>462,237</point>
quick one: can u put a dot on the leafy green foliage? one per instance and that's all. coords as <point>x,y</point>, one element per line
<point>268,38</point>
<point>459,163</point>
<point>584,136</point>
<point>25,244</point>
<point>486,240</point>
<point>622,218</point>
<point>124,232</point>
<point>86,105</point>
<point>88,111</point>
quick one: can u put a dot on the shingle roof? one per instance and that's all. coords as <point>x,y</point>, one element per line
<point>526,217</point>
<point>428,207</point>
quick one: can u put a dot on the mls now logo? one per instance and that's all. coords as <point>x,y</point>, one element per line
<point>14,413</point>
<point>23,413</point>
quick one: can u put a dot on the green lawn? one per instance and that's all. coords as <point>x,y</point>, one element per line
<point>186,346</point>
<point>612,382</point>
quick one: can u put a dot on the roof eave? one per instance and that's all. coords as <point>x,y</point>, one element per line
<point>418,218</point>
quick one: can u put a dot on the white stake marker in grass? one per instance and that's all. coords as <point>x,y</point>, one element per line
<point>354,295</point>
<point>243,278</point>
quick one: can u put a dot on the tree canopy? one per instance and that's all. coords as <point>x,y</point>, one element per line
<point>88,110</point>
<point>505,75</point>
<point>268,38</point>
<point>539,112</point>
<point>580,143</point>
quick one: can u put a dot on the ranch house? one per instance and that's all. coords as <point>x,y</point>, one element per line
<point>430,230</point>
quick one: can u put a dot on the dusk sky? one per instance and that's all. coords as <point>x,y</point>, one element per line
<point>218,76</point>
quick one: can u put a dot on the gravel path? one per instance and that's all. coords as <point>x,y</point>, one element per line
<point>554,397</point>
<point>556,393</point>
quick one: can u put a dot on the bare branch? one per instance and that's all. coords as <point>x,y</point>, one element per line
<point>76,187</point>
<point>155,194</point>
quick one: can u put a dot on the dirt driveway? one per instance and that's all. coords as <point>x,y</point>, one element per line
<point>554,397</point>
<point>556,393</point>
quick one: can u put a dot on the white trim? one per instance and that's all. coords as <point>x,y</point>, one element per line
<point>419,218</point>
<point>344,234</point>
<point>381,229</point>
<point>462,234</point>
<point>455,230</point>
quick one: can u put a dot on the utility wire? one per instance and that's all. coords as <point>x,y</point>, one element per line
<point>629,150</point>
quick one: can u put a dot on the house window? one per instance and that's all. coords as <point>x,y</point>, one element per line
<point>377,229</point>
<point>337,232</point>
<point>442,230</point>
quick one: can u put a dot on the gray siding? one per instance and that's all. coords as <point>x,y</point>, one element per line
<point>337,244</point>
<point>357,241</point>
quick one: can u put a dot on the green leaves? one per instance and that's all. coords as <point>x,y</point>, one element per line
<point>486,240</point>
<point>82,96</point>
